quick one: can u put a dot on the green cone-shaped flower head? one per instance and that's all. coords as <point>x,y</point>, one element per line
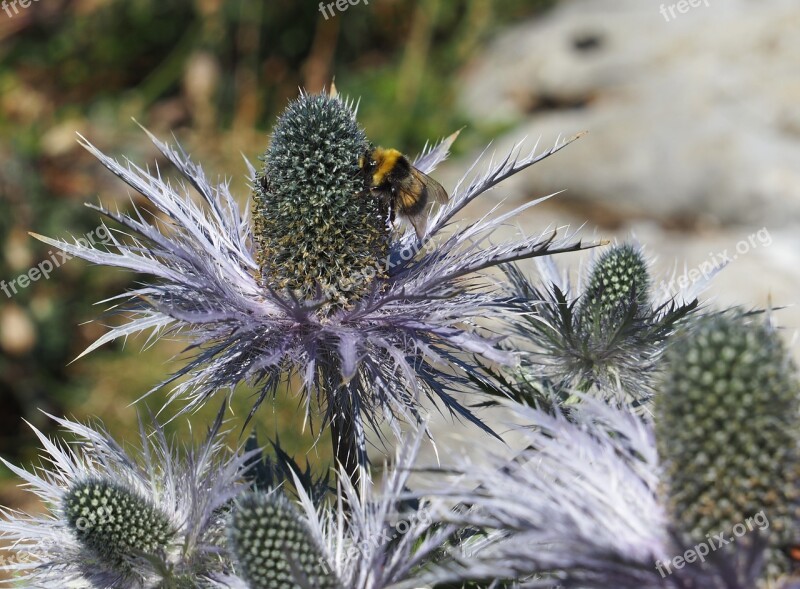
<point>114,523</point>
<point>726,419</point>
<point>273,546</point>
<point>618,279</point>
<point>318,229</point>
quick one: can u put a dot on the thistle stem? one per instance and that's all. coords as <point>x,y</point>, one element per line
<point>347,438</point>
<point>345,447</point>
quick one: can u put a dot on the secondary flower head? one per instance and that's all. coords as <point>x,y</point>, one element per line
<point>619,284</point>
<point>122,520</point>
<point>605,337</point>
<point>372,538</point>
<point>321,284</point>
<point>727,424</point>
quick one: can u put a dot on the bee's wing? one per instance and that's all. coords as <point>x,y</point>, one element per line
<point>408,197</point>
<point>436,191</point>
<point>420,224</point>
<point>425,188</point>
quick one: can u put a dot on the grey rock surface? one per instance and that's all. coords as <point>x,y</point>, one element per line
<point>693,121</point>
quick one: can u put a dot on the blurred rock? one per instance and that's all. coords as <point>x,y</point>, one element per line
<point>694,121</point>
<point>17,332</point>
<point>62,138</point>
<point>200,83</point>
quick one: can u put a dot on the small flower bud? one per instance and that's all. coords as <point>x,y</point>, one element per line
<point>619,279</point>
<point>114,523</point>
<point>273,546</point>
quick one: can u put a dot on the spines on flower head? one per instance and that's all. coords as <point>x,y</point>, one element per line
<point>273,546</point>
<point>576,508</point>
<point>619,280</point>
<point>727,425</point>
<point>116,524</point>
<point>317,227</point>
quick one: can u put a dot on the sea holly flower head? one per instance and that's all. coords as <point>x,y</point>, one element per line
<point>114,523</point>
<point>316,226</point>
<point>154,518</point>
<point>619,283</point>
<point>321,284</point>
<point>604,336</point>
<point>274,548</point>
<point>728,431</point>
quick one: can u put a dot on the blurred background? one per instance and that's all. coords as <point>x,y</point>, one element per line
<point>693,146</point>
<point>213,74</point>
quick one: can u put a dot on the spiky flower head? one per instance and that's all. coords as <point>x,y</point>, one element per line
<point>128,521</point>
<point>273,546</point>
<point>618,281</point>
<point>399,339</point>
<point>116,524</point>
<point>727,424</point>
<point>315,222</point>
<point>605,337</point>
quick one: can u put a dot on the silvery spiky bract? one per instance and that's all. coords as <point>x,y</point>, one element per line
<point>376,355</point>
<point>727,424</point>
<point>579,508</point>
<point>120,520</point>
<point>605,337</point>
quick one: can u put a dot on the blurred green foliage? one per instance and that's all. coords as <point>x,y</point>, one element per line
<point>215,74</point>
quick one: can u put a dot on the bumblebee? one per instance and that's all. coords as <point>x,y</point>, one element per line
<point>409,191</point>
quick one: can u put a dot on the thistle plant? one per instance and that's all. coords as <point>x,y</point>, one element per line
<point>128,521</point>
<point>114,523</point>
<point>326,287</point>
<point>727,424</point>
<point>320,284</point>
<point>605,338</point>
<point>619,285</point>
